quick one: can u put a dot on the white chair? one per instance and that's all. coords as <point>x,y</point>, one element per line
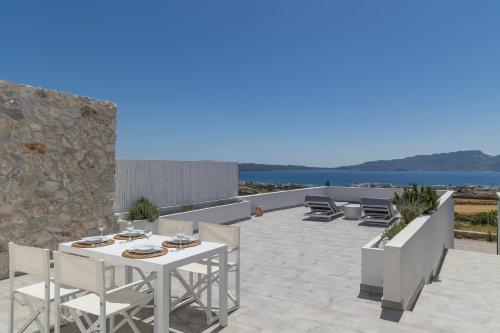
<point>167,227</point>
<point>207,271</point>
<point>89,275</point>
<point>35,261</point>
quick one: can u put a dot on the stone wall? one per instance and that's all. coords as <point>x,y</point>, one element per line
<point>57,166</point>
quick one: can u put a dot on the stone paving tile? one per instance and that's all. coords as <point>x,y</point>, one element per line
<point>476,245</point>
<point>302,276</point>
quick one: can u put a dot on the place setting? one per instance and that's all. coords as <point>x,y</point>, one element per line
<point>95,241</point>
<point>181,241</point>
<point>144,251</point>
<point>131,233</point>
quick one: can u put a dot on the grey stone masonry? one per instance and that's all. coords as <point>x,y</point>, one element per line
<point>57,166</point>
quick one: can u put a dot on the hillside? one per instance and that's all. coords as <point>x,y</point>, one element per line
<point>470,160</point>
<point>274,167</point>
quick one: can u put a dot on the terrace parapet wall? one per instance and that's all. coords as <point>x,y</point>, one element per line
<point>57,166</point>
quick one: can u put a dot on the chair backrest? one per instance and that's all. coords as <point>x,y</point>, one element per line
<point>27,259</point>
<point>79,272</point>
<point>167,227</point>
<point>217,233</point>
<point>321,203</point>
<point>377,206</point>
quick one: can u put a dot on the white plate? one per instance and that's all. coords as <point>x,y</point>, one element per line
<point>184,240</point>
<point>148,248</point>
<point>93,240</point>
<point>135,232</point>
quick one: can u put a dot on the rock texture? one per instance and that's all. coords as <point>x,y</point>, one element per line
<point>57,166</point>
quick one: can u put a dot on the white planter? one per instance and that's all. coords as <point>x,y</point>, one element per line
<point>372,267</point>
<point>217,215</point>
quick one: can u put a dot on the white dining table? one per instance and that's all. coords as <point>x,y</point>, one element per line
<point>163,267</point>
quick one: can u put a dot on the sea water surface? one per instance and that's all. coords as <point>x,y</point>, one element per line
<point>345,177</point>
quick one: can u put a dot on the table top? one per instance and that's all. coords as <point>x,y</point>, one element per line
<point>353,205</point>
<point>174,258</point>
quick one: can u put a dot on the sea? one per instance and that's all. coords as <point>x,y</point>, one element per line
<point>348,177</point>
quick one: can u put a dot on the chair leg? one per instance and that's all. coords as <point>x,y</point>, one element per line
<point>102,324</point>
<point>34,313</point>
<point>111,324</point>
<point>47,316</point>
<point>11,312</point>
<point>238,285</point>
<point>131,322</point>
<point>198,281</point>
<point>78,321</point>
<point>209,290</point>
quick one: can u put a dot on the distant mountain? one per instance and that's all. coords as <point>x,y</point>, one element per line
<point>469,160</point>
<point>274,167</point>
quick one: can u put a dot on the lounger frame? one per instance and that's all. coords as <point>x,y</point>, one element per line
<point>380,212</point>
<point>322,208</point>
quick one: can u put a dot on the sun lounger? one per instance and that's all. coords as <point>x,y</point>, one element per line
<point>377,211</point>
<point>322,208</point>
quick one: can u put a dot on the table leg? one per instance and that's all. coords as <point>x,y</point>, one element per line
<point>223,288</point>
<point>128,274</point>
<point>209,290</point>
<point>162,301</point>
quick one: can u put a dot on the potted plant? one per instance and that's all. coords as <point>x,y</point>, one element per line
<point>145,211</point>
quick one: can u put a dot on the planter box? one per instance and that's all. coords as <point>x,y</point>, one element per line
<point>217,215</point>
<point>411,259</point>
<point>372,267</point>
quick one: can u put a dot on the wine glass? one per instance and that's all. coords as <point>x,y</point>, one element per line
<point>101,226</point>
<point>148,229</point>
<point>180,236</point>
<point>130,229</point>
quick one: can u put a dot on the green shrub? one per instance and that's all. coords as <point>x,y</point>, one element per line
<point>144,209</point>
<point>485,218</point>
<point>424,197</point>
<point>430,198</point>
<point>187,208</point>
<point>410,210</point>
<point>394,229</point>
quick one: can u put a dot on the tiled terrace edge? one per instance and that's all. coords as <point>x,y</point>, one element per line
<point>414,256</point>
<point>294,198</point>
<point>283,199</point>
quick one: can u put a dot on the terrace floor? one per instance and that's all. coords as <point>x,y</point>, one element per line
<point>303,276</point>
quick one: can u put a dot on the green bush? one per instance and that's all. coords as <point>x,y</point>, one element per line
<point>187,208</point>
<point>144,209</point>
<point>430,198</point>
<point>410,210</point>
<point>413,202</point>
<point>394,229</point>
<point>425,197</point>
<point>485,218</point>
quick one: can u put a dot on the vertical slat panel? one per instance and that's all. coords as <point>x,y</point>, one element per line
<point>168,183</point>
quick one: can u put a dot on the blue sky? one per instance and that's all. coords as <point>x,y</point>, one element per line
<point>320,83</point>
